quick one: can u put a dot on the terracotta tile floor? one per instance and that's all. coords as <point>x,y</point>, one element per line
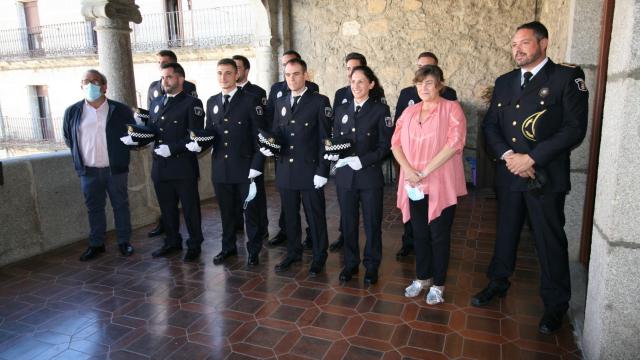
<point>53,306</point>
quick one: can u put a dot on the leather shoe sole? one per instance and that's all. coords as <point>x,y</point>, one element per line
<point>219,259</point>
<point>347,273</point>
<point>285,264</point>
<point>492,290</point>
<point>166,250</point>
<point>91,252</point>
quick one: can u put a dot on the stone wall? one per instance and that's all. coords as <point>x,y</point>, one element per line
<point>42,206</point>
<point>612,320</point>
<point>470,37</point>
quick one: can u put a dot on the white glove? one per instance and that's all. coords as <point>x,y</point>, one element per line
<point>138,119</point>
<point>266,152</point>
<point>332,157</point>
<point>354,162</point>
<point>342,162</point>
<point>127,140</point>
<point>254,173</point>
<point>319,181</point>
<point>163,150</point>
<point>193,147</point>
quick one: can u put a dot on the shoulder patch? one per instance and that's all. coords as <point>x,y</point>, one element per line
<point>198,110</point>
<point>581,85</point>
<point>264,101</point>
<point>383,100</point>
<point>388,120</point>
<point>194,94</point>
<point>328,112</point>
<point>259,110</point>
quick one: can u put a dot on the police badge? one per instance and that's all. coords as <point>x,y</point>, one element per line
<point>345,119</point>
<point>215,109</point>
<point>279,94</point>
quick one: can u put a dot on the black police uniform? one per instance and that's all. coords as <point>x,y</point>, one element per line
<point>156,91</point>
<point>279,90</point>
<point>301,133</point>
<point>259,92</point>
<point>234,153</point>
<point>555,104</point>
<point>370,129</point>
<point>344,95</point>
<point>176,177</point>
<point>409,96</point>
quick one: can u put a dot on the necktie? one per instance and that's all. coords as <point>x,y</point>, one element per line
<point>358,108</point>
<point>295,102</point>
<point>527,79</point>
<point>225,104</point>
<point>166,100</point>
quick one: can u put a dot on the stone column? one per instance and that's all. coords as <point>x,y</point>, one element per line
<point>114,44</point>
<point>612,319</point>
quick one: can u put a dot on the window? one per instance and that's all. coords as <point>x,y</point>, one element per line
<point>174,22</point>
<point>34,32</point>
<point>43,127</point>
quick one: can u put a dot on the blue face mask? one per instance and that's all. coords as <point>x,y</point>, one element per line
<point>252,193</point>
<point>92,92</point>
<point>414,193</point>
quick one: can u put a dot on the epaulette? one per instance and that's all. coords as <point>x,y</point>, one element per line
<point>569,65</point>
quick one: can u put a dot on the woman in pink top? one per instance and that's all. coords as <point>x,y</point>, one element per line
<point>427,143</point>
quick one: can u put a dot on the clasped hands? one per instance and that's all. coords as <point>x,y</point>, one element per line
<point>520,165</point>
<point>413,176</point>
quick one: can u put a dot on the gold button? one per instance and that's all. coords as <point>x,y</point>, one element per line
<point>293,121</point>
<point>517,106</point>
<point>290,160</point>
<point>291,147</point>
<point>292,134</point>
<point>513,139</point>
<point>341,133</point>
<point>225,120</point>
<point>226,156</point>
<point>226,144</point>
<point>161,129</point>
<point>162,117</point>
<point>541,102</point>
<point>226,131</point>
<point>306,124</point>
<point>514,123</point>
<point>499,104</point>
<point>353,129</point>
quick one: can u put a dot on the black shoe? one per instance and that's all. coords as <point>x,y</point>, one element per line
<point>265,237</point>
<point>222,255</point>
<point>158,230</point>
<point>495,288</point>
<point>315,269</point>
<point>240,229</point>
<point>166,250</point>
<point>404,251</point>
<point>551,321</point>
<point>125,249</point>
<point>336,245</point>
<point>307,244</point>
<point>347,273</point>
<point>192,254</point>
<point>285,264</point>
<point>278,239</point>
<point>253,260</point>
<point>91,252</point>
<point>371,277</point>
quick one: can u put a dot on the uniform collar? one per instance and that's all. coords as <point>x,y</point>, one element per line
<point>231,93</point>
<point>355,103</point>
<point>535,70</point>
<point>243,84</point>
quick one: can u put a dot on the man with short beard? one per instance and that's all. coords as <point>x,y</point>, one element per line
<point>538,113</point>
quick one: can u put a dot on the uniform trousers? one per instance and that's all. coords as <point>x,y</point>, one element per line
<point>314,208</point>
<point>546,215</point>
<point>371,201</point>
<point>228,196</point>
<point>96,183</point>
<point>169,192</point>
<point>431,240</point>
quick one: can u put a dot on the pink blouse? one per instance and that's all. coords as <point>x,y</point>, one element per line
<point>444,125</point>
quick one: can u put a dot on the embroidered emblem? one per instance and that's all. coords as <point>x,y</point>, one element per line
<point>279,94</point>
<point>581,85</point>
<point>529,125</point>
<point>215,109</point>
<point>328,112</point>
<point>258,110</point>
<point>345,119</point>
<point>543,92</point>
<point>344,101</point>
<point>283,111</point>
<point>198,111</point>
<point>155,109</point>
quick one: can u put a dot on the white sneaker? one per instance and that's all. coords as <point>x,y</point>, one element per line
<point>435,296</point>
<point>416,287</point>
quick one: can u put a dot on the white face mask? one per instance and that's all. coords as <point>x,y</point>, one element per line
<point>92,92</point>
<point>414,193</point>
<point>253,190</point>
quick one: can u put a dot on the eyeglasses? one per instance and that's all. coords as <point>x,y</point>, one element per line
<point>94,82</point>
